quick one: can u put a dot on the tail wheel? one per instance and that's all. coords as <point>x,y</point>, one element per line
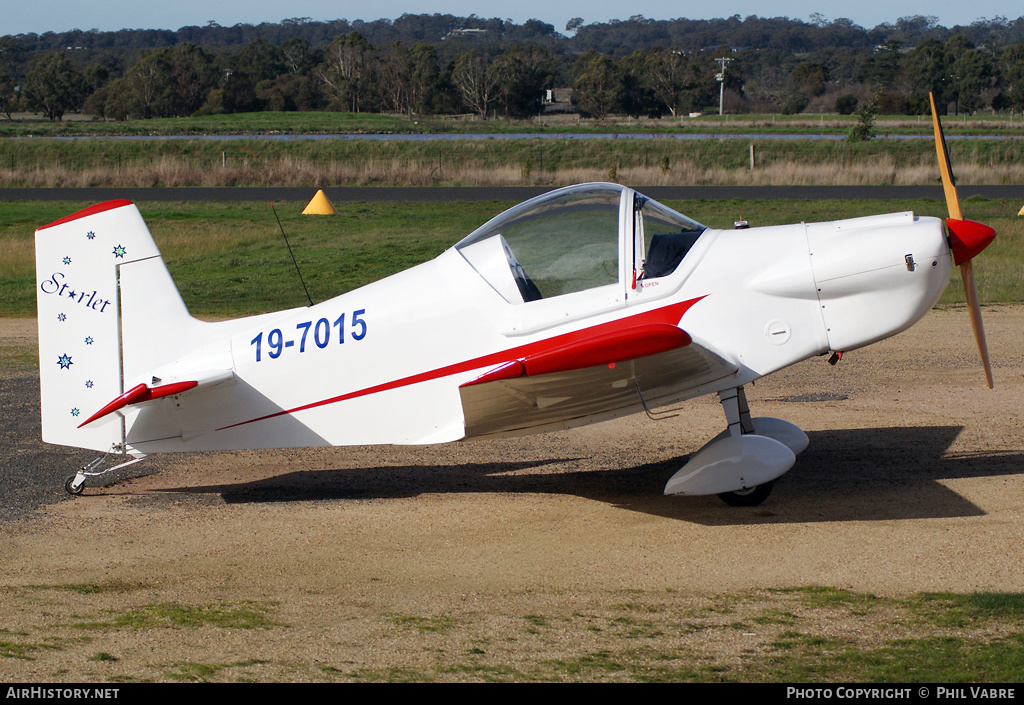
<point>69,486</point>
<point>750,497</point>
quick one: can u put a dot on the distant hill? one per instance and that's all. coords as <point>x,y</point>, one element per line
<point>613,37</point>
<point>439,63</point>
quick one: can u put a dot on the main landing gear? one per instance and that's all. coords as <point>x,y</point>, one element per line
<point>750,497</point>
<point>740,464</point>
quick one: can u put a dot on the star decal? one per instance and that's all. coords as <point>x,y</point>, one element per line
<point>61,317</point>
<point>90,235</point>
<point>74,412</point>
<point>119,251</point>
<point>67,260</point>
<point>88,340</point>
<point>65,362</point>
<point>88,384</point>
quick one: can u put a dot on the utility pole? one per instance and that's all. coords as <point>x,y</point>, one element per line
<point>720,77</point>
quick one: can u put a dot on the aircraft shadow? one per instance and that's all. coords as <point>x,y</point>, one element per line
<point>380,482</point>
<point>845,475</point>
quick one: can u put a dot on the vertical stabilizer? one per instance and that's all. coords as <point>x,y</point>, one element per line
<point>80,368</point>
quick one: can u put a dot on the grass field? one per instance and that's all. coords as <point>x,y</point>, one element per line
<point>813,635</point>
<point>230,259</point>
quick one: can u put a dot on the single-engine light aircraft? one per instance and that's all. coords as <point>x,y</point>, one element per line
<point>583,304</point>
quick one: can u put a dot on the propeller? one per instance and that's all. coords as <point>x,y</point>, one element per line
<point>966,239</point>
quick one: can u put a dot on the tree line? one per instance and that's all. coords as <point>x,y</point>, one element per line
<point>349,74</point>
<point>438,64</point>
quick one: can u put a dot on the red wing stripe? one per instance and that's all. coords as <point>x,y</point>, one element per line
<point>666,315</point>
<point>628,344</point>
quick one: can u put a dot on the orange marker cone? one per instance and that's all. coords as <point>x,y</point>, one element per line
<point>320,205</point>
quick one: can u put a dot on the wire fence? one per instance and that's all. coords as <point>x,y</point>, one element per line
<point>42,162</point>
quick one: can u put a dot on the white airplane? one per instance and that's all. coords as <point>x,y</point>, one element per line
<point>584,304</point>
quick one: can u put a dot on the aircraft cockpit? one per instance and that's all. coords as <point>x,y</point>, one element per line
<point>666,238</point>
<point>580,238</point>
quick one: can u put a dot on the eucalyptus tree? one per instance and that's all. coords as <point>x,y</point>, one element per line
<point>299,56</point>
<point>348,71</point>
<point>522,73</point>
<point>246,77</point>
<point>410,78</point>
<point>970,72</point>
<point>475,81</point>
<point>636,97</point>
<point>10,57</point>
<point>170,82</point>
<point>144,84</point>
<point>260,60</point>
<point>54,86</point>
<point>8,94</point>
<point>1012,72</point>
<point>190,76</point>
<point>673,79</point>
<point>766,82</point>
<point>925,70</point>
<point>882,67</point>
<point>595,84</point>
<point>396,79</point>
<point>427,86</point>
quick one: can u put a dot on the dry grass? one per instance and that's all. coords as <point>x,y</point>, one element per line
<point>290,171</point>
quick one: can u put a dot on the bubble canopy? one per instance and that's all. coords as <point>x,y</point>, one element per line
<point>578,238</point>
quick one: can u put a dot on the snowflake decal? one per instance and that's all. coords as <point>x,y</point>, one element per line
<point>88,340</point>
<point>61,317</point>
<point>65,361</point>
<point>90,235</point>
<point>67,260</point>
<point>88,384</point>
<point>119,251</point>
<point>75,412</point>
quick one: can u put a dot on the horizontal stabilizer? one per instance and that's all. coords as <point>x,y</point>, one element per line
<point>142,393</point>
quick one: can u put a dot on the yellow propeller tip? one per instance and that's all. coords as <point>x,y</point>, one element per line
<point>1021,211</point>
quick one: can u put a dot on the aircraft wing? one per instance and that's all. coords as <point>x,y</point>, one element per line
<point>510,400</point>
